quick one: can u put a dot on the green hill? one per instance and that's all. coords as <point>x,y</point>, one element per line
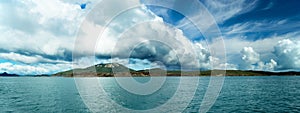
<point>100,70</point>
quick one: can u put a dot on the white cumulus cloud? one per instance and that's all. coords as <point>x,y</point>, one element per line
<point>251,60</point>
<point>288,52</point>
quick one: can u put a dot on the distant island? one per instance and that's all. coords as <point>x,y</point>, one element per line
<point>5,74</point>
<point>109,70</point>
<point>8,75</point>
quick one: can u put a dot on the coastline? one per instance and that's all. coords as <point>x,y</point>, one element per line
<point>145,73</point>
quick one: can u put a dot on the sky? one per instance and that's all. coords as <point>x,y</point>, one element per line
<point>49,36</point>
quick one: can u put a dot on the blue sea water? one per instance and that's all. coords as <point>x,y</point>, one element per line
<point>238,94</point>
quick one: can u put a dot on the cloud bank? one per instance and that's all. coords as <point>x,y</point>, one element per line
<point>38,37</point>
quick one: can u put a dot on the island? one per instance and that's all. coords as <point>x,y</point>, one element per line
<point>113,69</point>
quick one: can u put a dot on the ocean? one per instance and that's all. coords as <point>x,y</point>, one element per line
<point>175,94</point>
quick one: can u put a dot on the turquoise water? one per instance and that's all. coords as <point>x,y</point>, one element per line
<point>239,94</point>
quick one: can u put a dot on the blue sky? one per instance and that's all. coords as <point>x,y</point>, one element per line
<point>40,37</point>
